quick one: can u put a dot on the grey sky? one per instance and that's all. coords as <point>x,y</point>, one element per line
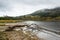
<point>23,7</point>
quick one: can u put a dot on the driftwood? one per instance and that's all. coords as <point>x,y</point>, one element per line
<point>36,27</point>
<point>11,28</point>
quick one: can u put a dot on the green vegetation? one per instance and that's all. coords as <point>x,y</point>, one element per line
<point>39,18</point>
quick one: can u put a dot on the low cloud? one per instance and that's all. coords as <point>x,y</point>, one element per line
<point>23,7</point>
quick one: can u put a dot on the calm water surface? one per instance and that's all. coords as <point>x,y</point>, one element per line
<point>49,25</point>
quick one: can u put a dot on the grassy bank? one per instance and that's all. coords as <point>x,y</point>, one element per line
<point>10,21</point>
<point>3,22</point>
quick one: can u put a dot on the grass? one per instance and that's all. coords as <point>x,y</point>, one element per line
<point>10,21</point>
<point>2,22</point>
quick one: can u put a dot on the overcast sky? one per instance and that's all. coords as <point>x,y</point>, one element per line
<point>23,7</point>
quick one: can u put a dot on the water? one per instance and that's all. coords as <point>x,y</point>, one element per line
<point>55,26</point>
<point>47,35</point>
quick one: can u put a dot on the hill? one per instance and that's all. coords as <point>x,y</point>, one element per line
<point>40,15</point>
<point>55,12</point>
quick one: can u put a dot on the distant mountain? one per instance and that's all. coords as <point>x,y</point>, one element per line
<point>55,12</point>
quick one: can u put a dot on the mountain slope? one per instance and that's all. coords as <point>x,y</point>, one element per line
<point>47,12</point>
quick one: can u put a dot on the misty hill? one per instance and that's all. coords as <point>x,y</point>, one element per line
<point>40,15</point>
<point>55,12</point>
